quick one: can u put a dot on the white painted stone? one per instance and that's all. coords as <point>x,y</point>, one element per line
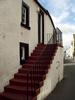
<point>55,74</point>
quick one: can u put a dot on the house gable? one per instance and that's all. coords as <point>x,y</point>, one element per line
<point>46,11</point>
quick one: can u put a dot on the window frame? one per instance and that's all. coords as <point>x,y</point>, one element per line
<point>26,7</point>
<point>26,52</point>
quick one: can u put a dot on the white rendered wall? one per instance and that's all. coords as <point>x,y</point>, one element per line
<point>11,33</point>
<point>54,75</point>
<point>9,40</point>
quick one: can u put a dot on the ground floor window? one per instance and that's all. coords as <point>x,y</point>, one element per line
<point>24,52</point>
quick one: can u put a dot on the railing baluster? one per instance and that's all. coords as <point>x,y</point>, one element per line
<point>34,77</point>
<point>32,81</point>
<point>38,72</point>
<point>36,66</point>
<point>27,84</point>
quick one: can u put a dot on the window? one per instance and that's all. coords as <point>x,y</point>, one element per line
<point>25,15</point>
<point>24,52</point>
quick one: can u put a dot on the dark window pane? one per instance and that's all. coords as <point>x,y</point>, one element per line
<point>25,14</point>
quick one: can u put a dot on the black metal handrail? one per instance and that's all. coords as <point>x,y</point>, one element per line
<point>30,73</point>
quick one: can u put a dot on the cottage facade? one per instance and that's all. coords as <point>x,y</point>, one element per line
<point>23,25</point>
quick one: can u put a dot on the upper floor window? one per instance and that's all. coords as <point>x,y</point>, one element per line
<point>25,15</point>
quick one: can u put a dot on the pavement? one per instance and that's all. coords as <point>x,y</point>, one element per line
<point>65,90</point>
<point>68,64</point>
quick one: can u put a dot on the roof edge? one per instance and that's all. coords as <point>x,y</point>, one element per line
<point>46,11</point>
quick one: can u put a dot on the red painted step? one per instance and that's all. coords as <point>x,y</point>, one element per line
<point>35,71</point>
<point>20,82</point>
<point>34,77</point>
<point>39,61</point>
<point>21,90</point>
<point>38,54</point>
<point>13,96</point>
<point>31,65</point>
<point>37,66</point>
<point>35,58</point>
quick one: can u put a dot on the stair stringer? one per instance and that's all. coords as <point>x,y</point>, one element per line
<point>52,77</point>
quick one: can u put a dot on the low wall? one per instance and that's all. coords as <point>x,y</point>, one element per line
<point>55,74</point>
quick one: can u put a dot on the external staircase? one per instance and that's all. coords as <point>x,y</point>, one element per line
<point>30,78</point>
